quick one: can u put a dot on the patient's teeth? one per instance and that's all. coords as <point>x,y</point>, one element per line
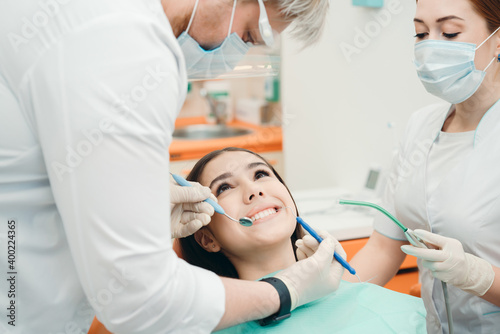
<point>263,214</point>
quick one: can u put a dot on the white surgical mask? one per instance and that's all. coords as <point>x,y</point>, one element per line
<point>203,64</point>
<point>447,69</point>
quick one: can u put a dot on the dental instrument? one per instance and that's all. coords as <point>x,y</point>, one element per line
<point>244,221</point>
<point>415,241</point>
<point>316,236</point>
<point>412,238</point>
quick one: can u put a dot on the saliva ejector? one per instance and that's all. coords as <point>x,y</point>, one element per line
<point>415,241</point>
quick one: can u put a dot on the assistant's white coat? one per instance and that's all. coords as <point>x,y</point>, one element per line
<point>464,206</point>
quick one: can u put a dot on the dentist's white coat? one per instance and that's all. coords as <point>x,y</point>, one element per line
<point>465,206</point>
<point>89,92</point>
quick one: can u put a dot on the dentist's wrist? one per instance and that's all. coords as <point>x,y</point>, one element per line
<point>285,302</point>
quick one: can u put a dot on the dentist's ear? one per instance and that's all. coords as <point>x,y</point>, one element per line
<point>207,241</point>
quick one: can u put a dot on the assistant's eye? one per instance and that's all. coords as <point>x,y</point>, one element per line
<point>450,36</point>
<point>422,35</point>
<point>220,189</point>
<point>260,174</point>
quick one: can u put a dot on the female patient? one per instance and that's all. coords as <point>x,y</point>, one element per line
<point>246,185</point>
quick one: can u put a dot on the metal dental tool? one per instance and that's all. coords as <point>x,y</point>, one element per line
<point>245,221</point>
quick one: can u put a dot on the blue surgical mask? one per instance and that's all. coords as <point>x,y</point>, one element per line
<point>203,64</point>
<point>447,69</point>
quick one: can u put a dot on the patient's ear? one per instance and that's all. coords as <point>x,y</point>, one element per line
<point>206,240</point>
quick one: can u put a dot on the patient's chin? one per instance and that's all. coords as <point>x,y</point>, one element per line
<point>275,231</point>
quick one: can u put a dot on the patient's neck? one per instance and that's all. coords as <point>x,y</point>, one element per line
<point>264,262</point>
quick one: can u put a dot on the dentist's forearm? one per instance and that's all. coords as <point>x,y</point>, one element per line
<point>247,301</point>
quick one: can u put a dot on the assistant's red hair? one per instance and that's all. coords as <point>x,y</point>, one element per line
<point>490,10</point>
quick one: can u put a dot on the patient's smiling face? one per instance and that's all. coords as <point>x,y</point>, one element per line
<point>245,186</point>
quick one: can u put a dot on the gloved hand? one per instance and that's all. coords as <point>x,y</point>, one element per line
<point>188,211</point>
<point>449,263</point>
<point>306,247</point>
<point>316,276</point>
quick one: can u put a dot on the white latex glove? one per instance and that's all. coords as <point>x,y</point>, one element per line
<point>306,247</point>
<point>188,211</point>
<point>316,276</point>
<point>449,263</point>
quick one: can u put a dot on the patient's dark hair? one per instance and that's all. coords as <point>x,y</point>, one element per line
<point>193,253</point>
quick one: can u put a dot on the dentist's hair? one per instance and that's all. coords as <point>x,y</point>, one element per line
<point>307,17</point>
<point>490,10</point>
<point>218,263</point>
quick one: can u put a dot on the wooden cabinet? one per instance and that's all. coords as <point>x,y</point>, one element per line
<point>407,276</point>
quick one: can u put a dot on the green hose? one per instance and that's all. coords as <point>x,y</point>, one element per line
<point>375,206</point>
<point>404,228</point>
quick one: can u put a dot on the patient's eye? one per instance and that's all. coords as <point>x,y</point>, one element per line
<point>260,174</point>
<point>223,187</point>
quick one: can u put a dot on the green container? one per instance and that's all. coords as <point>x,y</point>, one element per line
<point>272,89</point>
<point>368,3</point>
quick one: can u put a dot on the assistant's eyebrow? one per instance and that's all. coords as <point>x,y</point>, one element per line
<point>220,177</point>
<point>442,19</point>
<point>451,17</point>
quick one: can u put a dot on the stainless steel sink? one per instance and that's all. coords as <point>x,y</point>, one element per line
<point>199,132</point>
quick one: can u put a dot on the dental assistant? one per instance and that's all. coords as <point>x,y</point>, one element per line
<point>445,183</point>
<point>89,92</point>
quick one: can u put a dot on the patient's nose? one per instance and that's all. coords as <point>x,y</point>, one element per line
<point>252,196</point>
<point>252,191</point>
